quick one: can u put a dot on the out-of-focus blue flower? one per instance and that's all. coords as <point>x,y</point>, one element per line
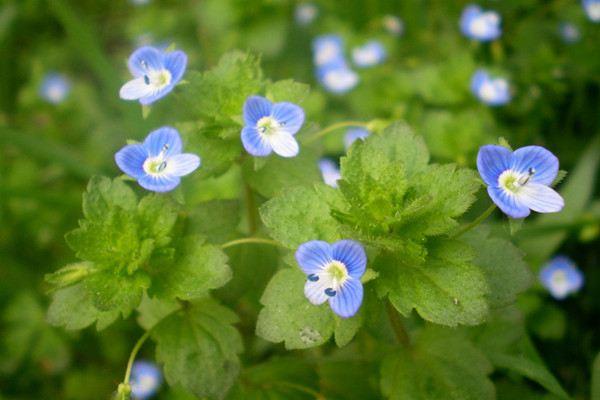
<point>354,134</point>
<point>480,25</point>
<point>370,54</point>
<point>155,72</point>
<point>337,77</point>
<point>305,13</point>
<point>393,25</point>
<point>592,9</point>
<point>271,127</point>
<point>330,172</point>
<point>569,32</point>
<point>145,380</point>
<point>561,277</point>
<point>327,49</point>
<point>55,88</point>
<point>333,274</point>
<point>520,181</point>
<point>157,163</point>
<point>491,91</point>
<point>139,2</point>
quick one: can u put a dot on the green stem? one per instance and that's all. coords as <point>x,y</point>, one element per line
<point>475,222</point>
<point>249,240</point>
<point>333,127</point>
<point>251,209</point>
<point>134,352</point>
<point>397,325</point>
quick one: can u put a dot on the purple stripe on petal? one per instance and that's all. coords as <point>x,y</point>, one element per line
<point>348,299</point>
<point>313,256</point>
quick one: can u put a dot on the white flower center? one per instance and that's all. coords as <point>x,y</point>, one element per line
<point>488,91</point>
<point>560,283</point>
<point>328,52</point>
<point>159,79</point>
<point>156,166</point>
<point>56,92</point>
<point>340,79</point>
<point>268,126</point>
<point>366,56</point>
<point>332,277</point>
<point>512,181</point>
<point>593,11</point>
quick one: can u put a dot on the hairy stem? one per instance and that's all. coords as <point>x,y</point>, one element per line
<point>397,325</point>
<point>249,240</point>
<point>134,352</point>
<point>332,128</point>
<point>475,222</point>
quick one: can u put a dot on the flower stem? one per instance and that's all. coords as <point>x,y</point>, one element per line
<point>475,222</point>
<point>333,127</point>
<point>397,325</point>
<point>249,240</point>
<point>134,352</point>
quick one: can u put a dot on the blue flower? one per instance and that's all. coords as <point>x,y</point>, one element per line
<point>157,163</point>
<point>481,25</point>
<point>354,134</point>
<point>330,172</point>
<point>271,127</point>
<point>327,49</point>
<point>520,181</point>
<point>592,9</point>
<point>491,91</point>
<point>55,88</point>
<point>145,381</point>
<point>305,13</point>
<point>337,77</point>
<point>561,277</point>
<point>569,32</point>
<point>393,25</point>
<point>333,273</point>
<point>155,72</point>
<point>370,54</point>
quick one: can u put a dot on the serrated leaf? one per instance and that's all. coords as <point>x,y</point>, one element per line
<point>153,310</point>
<point>289,317</point>
<point>199,349</point>
<point>287,90</point>
<point>122,293</point>
<point>157,216</point>
<point>282,214</point>
<point>104,194</point>
<point>442,365</point>
<point>560,176</point>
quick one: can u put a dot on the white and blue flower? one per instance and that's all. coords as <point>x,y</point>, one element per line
<point>519,181</point>
<point>337,77</point>
<point>145,380</point>
<point>271,127</point>
<point>569,32</point>
<point>333,274</point>
<point>480,25</point>
<point>330,172</point>
<point>561,277</point>
<point>354,134</point>
<point>157,163</point>
<point>327,49</point>
<point>370,54</point>
<point>491,91</point>
<point>305,13</point>
<point>592,9</point>
<point>393,25</point>
<point>55,88</point>
<point>155,72</point>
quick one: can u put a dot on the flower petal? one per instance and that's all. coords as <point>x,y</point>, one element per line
<point>508,203</point>
<point>130,160</point>
<point>289,115</point>
<point>313,256</point>
<point>492,160</point>
<point>541,160</point>
<point>182,164</point>
<point>348,299</point>
<point>175,62</point>
<point>284,144</point>
<point>144,58</point>
<point>162,183</point>
<point>315,291</point>
<point>352,254</point>
<point>135,89</point>
<point>255,143</point>
<point>255,108</point>
<point>155,142</point>
<point>540,198</point>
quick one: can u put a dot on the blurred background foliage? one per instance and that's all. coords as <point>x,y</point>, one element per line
<point>48,152</point>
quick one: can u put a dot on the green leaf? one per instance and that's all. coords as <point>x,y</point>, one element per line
<point>104,194</point>
<point>202,220</point>
<point>289,317</point>
<point>442,365</point>
<point>287,90</point>
<point>506,273</point>
<point>153,310</point>
<point>115,292</point>
<point>199,349</point>
<point>73,308</point>
<point>282,214</point>
<point>198,268</point>
<point>70,274</point>
<point>447,288</point>
<point>157,217</point>
<point>596,378</point>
